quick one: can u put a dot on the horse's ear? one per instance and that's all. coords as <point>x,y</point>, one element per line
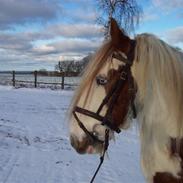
<point>117,36</point>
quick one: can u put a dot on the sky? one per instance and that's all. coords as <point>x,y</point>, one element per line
<point>37,34</point>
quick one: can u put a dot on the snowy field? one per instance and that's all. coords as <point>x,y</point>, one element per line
<point>34,144</point>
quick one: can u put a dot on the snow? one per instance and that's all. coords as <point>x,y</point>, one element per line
<point>35,148</point>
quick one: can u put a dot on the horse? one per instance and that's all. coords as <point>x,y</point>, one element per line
<point>127,78</point>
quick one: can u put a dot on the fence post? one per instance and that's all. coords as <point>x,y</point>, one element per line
<point>63,76</point>
<point>35,79</point>
<point>13,78</point>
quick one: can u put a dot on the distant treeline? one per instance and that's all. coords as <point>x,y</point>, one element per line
<point>59,73</point>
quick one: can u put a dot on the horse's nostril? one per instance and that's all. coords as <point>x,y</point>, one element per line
<point>74,142</point>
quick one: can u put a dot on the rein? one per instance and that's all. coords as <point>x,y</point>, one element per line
<point>110,98</point>
<point>106,144</point>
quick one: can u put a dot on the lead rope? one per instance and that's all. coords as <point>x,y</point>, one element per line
<point>106,144</point>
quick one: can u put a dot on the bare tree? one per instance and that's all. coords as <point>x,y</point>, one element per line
<point>73,65</point>
<point>126,12</point>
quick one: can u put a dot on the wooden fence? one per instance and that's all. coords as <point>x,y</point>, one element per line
<point>37,74</point>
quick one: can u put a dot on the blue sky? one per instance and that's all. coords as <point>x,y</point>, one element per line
<point>37,34</point>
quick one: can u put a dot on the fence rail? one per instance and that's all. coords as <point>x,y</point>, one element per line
<point>37,74</point>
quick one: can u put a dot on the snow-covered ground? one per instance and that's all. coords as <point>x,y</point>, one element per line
<point>35,148</point>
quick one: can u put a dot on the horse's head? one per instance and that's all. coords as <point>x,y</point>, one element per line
<point>105,94</point>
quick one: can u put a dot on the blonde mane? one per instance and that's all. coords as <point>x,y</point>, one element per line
<point>96,63</point>
<point>158,71</point>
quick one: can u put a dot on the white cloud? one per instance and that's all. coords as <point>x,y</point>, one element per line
<point>13,12</point>
<point>75,30</point>
<point>44,49</point>
<point>25,41</point>
<point>42,35</point>
<point>168,4</point>
<point>46,46</point>
<point>175,36</point>
<point>68,46</point>
<point>149,16</point>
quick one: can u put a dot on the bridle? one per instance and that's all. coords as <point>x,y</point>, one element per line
<point>110,99</point>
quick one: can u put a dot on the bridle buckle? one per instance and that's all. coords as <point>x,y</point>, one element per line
<point>123,75</point>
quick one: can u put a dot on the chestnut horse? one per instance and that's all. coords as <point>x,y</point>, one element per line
<point>143,77</point>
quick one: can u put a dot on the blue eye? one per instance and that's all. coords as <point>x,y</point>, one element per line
<point>101,80</point>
